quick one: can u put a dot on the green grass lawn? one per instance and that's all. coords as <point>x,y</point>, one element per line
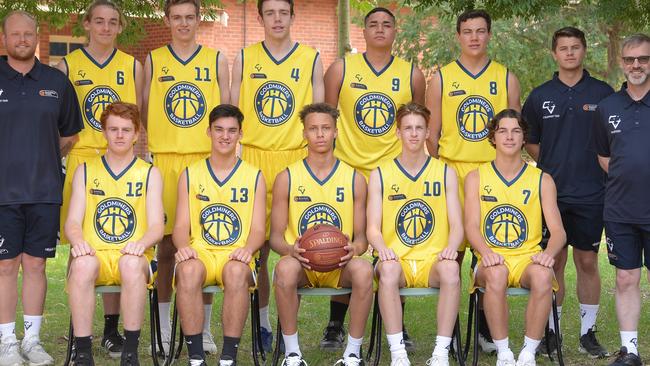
<point>420,321</point>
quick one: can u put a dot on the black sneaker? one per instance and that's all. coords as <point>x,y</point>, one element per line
<point>589,345</point>
<point>84,359</point>
<point>626,359</point>
<point>129,359</point>
<point>408,342</point>
<point>552,344</point>
<point>293,359</point>
<point>196,361</point>
<point>113,344</point>
<point>333,337</point>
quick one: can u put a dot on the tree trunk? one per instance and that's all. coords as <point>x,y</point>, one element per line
<point>344,28</point>
<point>613,51</point>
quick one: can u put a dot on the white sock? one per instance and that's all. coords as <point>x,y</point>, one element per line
<point>354,346</point>
<point>551,323</point>
<point>207,317</point>
<point>503,345</point>
<point>291,344</point>
<point>442,346</point>
<point>396,344</point>
<point>530,346</point>
<point>165,318</point>
<point>588,314</point>
<point>8,332</point>
<point>630,340</point>
<point>32,324</point>
<point>264,319</point>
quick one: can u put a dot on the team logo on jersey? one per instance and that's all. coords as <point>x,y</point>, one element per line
<point>221,225</point>
<point>320,213</point>
<point>96,101</point>
<point>274,103</point>
<point>473,116</point>
<point>184,104</point>
<point>415,222</point>
<point>115,220</point>
<point>614,120</point>
<point>549,105</point>
<point>374,113</point>
<point>506,227</point>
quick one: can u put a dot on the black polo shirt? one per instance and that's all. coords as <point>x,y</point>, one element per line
<point>623,135</point>
<point>560,118</point>
<point>35,109</point>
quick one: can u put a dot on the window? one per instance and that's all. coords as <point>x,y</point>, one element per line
<point>62,45</point>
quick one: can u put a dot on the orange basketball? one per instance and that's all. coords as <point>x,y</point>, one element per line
<point>324,245</point>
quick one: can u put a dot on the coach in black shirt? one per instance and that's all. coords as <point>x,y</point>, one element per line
<point>623,145</point>
<point>38,114</point>
<point>560,113</point>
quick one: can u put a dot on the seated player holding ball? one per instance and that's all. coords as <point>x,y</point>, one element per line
<point>219,229</point>
<point>115,219</point>
<point>320,190</point>
<point>415,226</point>
<point>504,203</point>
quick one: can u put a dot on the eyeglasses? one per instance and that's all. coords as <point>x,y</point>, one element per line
<point>643,60</point>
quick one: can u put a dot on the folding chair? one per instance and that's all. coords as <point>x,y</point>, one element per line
<point>154,321</point>
<point>255,329</point>
<point>319,291</point>
<point>376,331</point>
<point>473,314</point>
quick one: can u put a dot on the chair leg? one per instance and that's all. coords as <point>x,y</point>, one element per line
<point>260,346</point>
<point>373,336</point>
<point>255,330</point>
<point>556,323</point>
<point>171,356</point>
<point>378,339</point>
<point>156,319</point>
<point>68,354</point>
<point>470,316</point>
<point>460,357</point>
<point>477,297</point>
<point>276,350</point>
<point>153,302</point>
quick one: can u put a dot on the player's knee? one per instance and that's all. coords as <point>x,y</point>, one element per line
<point>10,267</point>
<point>389,272</point>
<point>236,275</point>
<point>33,265</point>
<point>626,280</point>
<point>286,272</point>
<point>587,262</point>
<point>448,272</point>
<point>132,266</point>
<point>361,272</point>
<point>189,274</point>
<point>496,278</point>
<point>84,267</point>
<point>541,279</point>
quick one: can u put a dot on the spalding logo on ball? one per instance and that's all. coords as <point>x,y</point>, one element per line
<point>324,246</point>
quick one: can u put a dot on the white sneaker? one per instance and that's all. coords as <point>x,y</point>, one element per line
<point>293,359</point>
<point>349,360</point>
<point>506,359</point>
<point>526,359</point>
<point>486,346</point>
<point>437,360</point>
<point>208,343</point>
<point>10,354</point>
<point>226,362</point>
<point>401,360</point>
<point>34,353</point>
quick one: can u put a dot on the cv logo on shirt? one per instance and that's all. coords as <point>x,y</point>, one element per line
<point>374,113</point>
<point>414,222</point>
<point>184,104</point>
<point>320,213</point>
<point>95,102</point>
<point>506,227</point>
<point>614,120</point>
<point>115,221</point>
<point>221,225</point>
<point>473,115</point>
<point>549,106</point>
<point>274,103</point>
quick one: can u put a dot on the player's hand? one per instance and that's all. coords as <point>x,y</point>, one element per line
<point>346,258</point>
<point>386,254</point>
<point>491,259</point>
<point>543,259</point>
<point>184,254</point>
<point>448,253</point>
<point>243,255</point>
<point>133,248</point>
<point>81,249</point>
<point>296,252</point>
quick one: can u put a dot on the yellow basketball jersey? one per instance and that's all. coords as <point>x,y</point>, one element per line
<point>511,212</point>
<point>368,102</point>
<point>272,94</point>
<point>181,96</point>
<point>468,103</point>
<point>414,209</point>
<point>97,86</point>
<point>312,201</point>
<point>221,212</point>
<point>116,210</point>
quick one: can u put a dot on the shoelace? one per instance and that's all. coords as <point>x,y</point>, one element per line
<point>433,358</point>
<point>5,348</point>
<point>294,361</point>
<point>196,362</point>
<point>402,361</point>
<point>33,346</point>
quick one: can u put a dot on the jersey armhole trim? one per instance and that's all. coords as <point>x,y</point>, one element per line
<point>313,68</point>
<point>381,182</point>
<point>146,189</point>
<point>354,176</point>
<point>217,66</point>
<point>241,77</point>
<point>411,81</point>
<point>257,178</point>
<point>441,85</point>
<point>85,174</point>
<point>342,81</point>
<point>507,78</point>
<point>187,179</point>
<point>134,61</point>
<point>151,65</point>
<point>539,189</point>
<point>445,182</point>
<point>288,184</point>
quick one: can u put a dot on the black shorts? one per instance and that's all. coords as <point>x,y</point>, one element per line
<point>29,228</point>
<point>628,245</point>
<point>583,225</point>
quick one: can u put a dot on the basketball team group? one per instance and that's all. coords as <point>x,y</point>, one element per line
<point>411,175</point>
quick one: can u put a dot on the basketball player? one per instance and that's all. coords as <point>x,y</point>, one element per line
<point>320,189</point>
<point>271,81</point>
<point>415,227</point>
<point>183,80</point>
<point>463,96</point>
<point>101,74</point>
<point>218,232</point>
<point>561,113</point>
<point>368,88</point>
<point>115,219</point>
<point>505,200</point>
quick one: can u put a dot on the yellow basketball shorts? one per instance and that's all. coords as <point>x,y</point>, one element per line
<point>271,163</point>
<point>109,270</point>
<point>323,279</point>
<point>214,262</point>
<point>171,166</point>
<point>516,265</point>
<point>72,161</point>
<point>417,271</point>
